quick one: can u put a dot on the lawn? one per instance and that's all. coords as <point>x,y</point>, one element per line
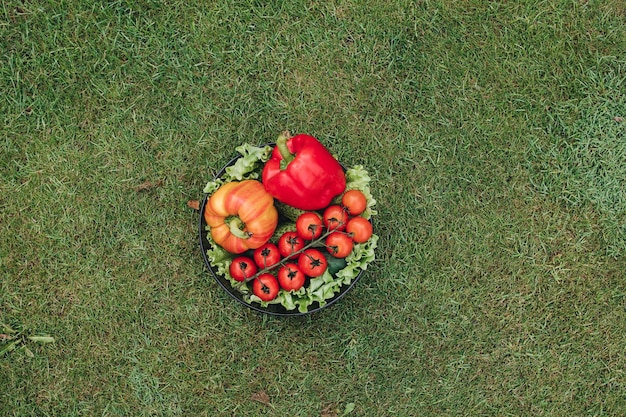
<point>495,136</point>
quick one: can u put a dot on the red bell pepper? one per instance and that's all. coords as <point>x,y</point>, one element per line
<point>302,173</point>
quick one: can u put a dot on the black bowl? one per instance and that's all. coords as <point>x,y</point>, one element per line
<point>272,309</point>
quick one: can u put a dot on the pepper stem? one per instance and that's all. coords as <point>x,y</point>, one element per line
<point>237,228</point>
<point>281,144</point>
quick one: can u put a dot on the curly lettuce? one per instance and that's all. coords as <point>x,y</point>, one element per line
<point>247,167</point>
<point>249,164</point>
<point>357,178</point>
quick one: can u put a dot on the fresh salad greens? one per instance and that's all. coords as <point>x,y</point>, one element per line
<point>357,178</point>
<point>247,167</point>
<point>320,289</point>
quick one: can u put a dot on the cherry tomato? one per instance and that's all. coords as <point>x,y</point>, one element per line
<point>309,226</point>
<point>242,268</point>
<point>312,263</point>
<point>339,244</point>
<point>267,255</point>
<point>354,201</point>
<point>265,286</point>
<point>289,243</point>
<point>360,229</point>
<point>291,277</point>
<point>335,218</point>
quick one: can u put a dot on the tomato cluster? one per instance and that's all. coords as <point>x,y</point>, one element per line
<point>302,253</point>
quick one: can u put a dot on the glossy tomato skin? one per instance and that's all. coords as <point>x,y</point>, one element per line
<point>267,255</point>
<point>309,226</point>
<point>312,263</point>
<point>354,202</point>
<point>339,244</point>
<point>360,229</point>
<point>266,287</point>
<point>291,277</point>
<point>289,243</point>
<point>335,217</point>
<point>242,268</point>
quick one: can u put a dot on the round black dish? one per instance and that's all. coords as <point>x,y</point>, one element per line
<point>272,309</point>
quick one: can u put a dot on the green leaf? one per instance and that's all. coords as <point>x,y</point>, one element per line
<point>357,178</point>
<point>252,158</point>
<point>219,257</point>
<point>248,166</point>
<point>213,185</point>
<point>362,255</point>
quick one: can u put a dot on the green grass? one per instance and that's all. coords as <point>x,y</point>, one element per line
<point>495,137</point>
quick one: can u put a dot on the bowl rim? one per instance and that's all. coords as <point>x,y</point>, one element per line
<point>271,309</point>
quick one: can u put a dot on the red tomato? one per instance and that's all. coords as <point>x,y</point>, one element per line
<point>339,244</point>
<point>242,268</point>
<point>265,286</point>
<point>291,277</point>
<point>312,263</point>
<point>335,218</point>
<point>309,226</point>
<point>354,201</point>
<point>360,229</point>
<point>289,243</point>
<point>267,255</point>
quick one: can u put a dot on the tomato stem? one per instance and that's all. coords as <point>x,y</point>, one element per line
<point>293,255</point>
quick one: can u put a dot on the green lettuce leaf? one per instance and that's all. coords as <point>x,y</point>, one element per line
<point>247,166</point>
<point>213,185</point>
<point>357,178</point>
<point>219,257</point>
<point>362,255</point>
